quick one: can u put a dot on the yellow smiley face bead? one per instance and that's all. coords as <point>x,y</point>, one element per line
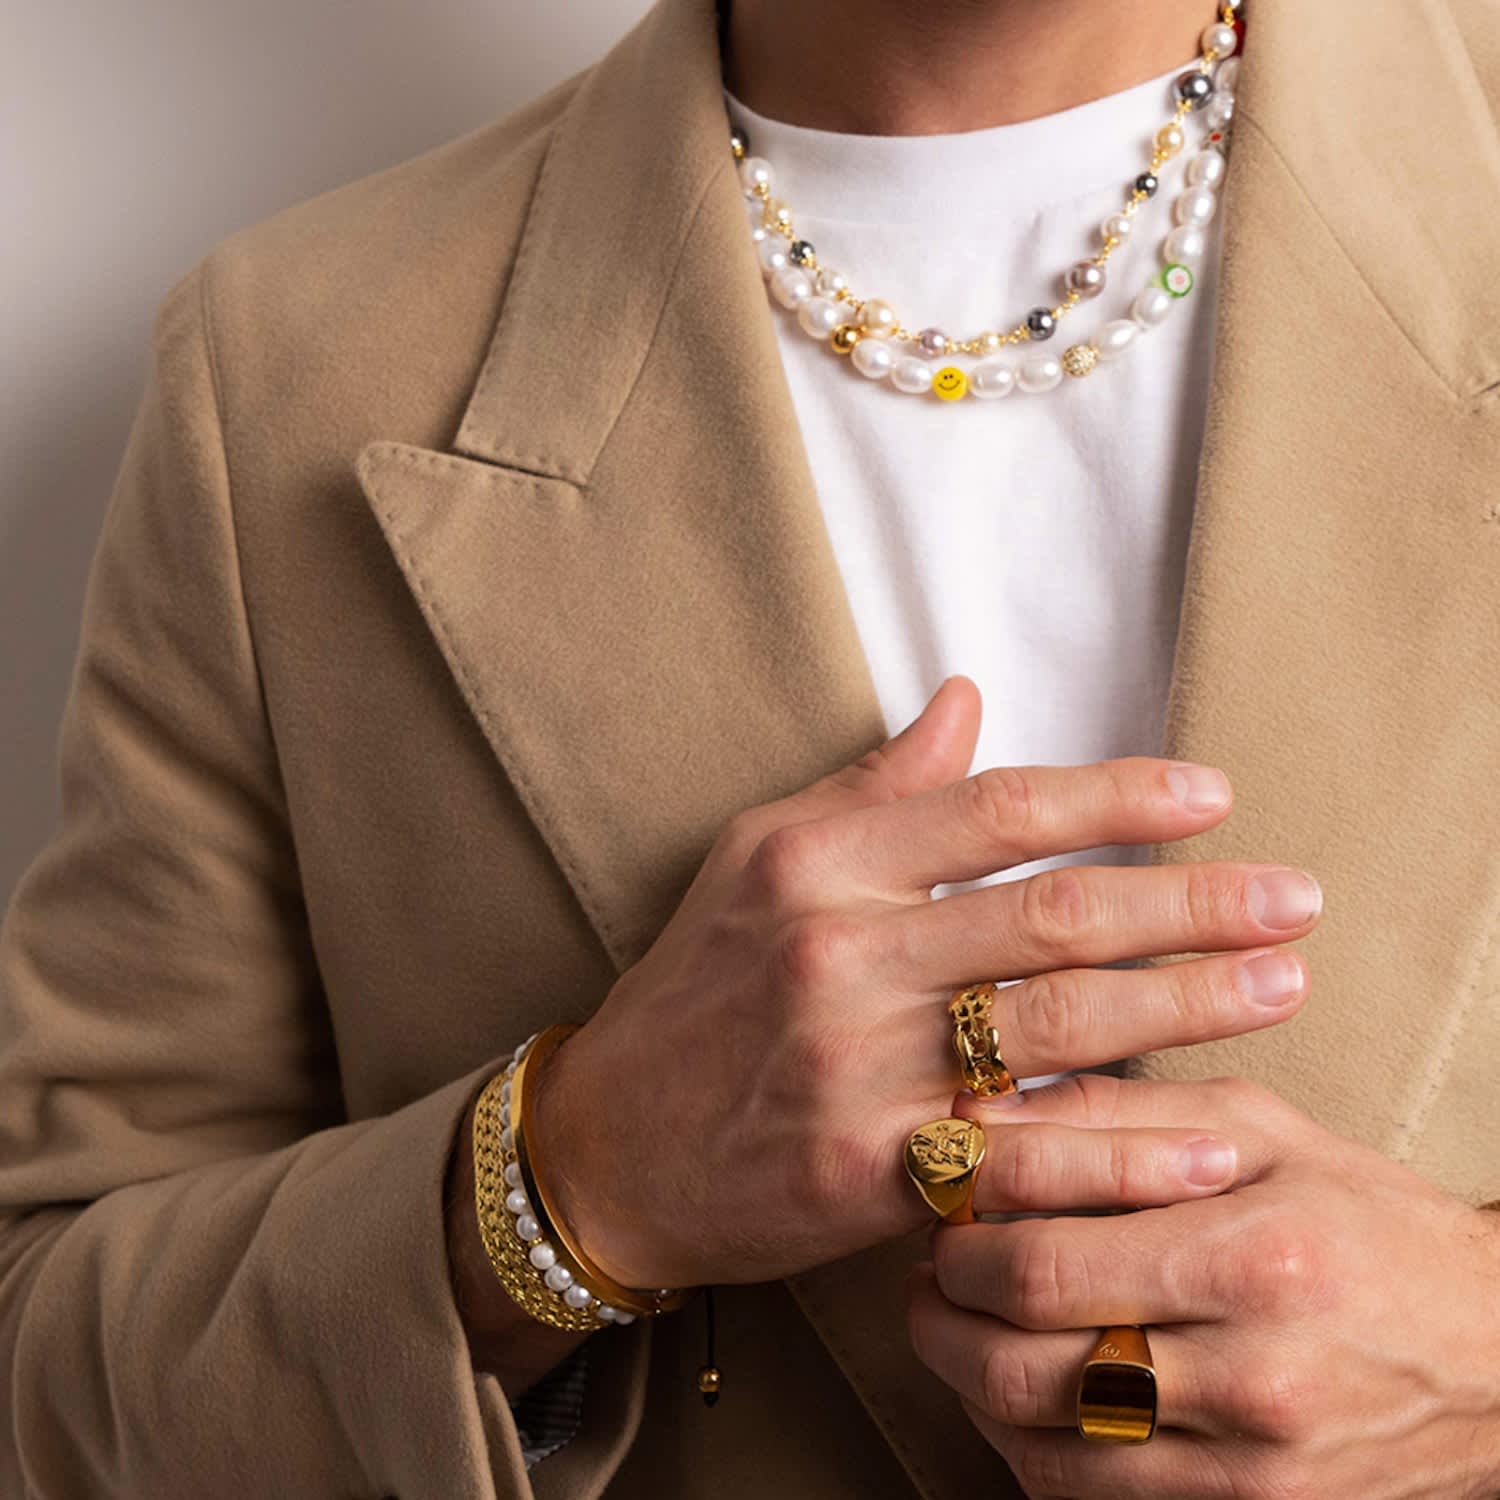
<point>950,384</point>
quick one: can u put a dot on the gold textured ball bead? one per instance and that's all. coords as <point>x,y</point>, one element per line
<point>1170,139</point>
<point>709,1380</point>
<point>1079,360</point>
<point>845,337</point>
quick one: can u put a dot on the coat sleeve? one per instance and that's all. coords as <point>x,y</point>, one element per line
<point>211,1281</point>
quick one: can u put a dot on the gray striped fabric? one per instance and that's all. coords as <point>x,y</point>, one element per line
<point>549,1413</point>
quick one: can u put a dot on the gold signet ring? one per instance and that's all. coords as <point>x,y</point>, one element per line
<point>942,1158</point>
<point>1117,1389</point>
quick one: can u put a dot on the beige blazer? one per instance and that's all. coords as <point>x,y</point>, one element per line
<point>464,574</point>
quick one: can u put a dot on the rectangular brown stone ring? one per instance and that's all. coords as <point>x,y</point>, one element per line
<point>1117,1389</point>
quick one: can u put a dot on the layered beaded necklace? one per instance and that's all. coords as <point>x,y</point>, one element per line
<point>868,331</point>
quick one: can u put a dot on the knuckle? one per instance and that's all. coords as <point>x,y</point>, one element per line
<point>1273,1403</point>
<point>739,835</point>
<point>869,777</point>
<point>1055,905</point>
<point>1210,898</point>
<point>1285,1266</point>
<point>1238,1097</point>
<point>812,949</point>
<point>1049,1017</point>
<point>836,1168</point>
<point>779,864</point>
<point>1005,799</point>
<point>1022,1167</point>
<point>1041,1468</point>
<point>1039,1283</point>
<point>1008,1388</point>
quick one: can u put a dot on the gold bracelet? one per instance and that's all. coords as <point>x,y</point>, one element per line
<point>537,1261</point>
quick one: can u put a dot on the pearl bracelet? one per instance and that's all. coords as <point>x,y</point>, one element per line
<point>530,1250</point>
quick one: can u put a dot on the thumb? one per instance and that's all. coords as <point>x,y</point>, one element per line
<point>935,748</point>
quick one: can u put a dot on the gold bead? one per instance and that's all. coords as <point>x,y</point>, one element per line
<point>845,337</point>
<point>709,1380</point>
<point>1170,139</point>
<point>1079,360</point>
<point>991,343</point>
<point>778,214</point>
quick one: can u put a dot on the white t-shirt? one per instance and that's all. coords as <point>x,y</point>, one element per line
<point>1035,542</point>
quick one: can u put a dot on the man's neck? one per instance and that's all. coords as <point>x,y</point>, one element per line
<point>925,67</point>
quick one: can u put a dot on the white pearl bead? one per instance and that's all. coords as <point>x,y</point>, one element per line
<point>878,318</point>
<point>755,172</point>
<point>605,1313</point>
<point>1186,242</point>
<point>1039,373</point>
<point>558,1278</point>
<point>1152,306</point>
<point>507,1139</point>
<point>1206,168</point>
<point>516,1202</point>
<point>527,1228</point>
<point>791,285</point>
<point>1218,112</point>
<point>1226,75</point>
<point>991,378</point>
<point>819,317</point>
<point>624,1317</point>
<point>755,214</point>
<point>914,376</point>
<point>1115,337</point>
<point>873,358</point>
<point>543,1256</point>
<point>830,282</point>
<point>1196,206</point>
<point>513,1174</point>
<point>578,1296</point>
<point>1220,39</point>
<point>772,253</point>
<point>1117,227</point>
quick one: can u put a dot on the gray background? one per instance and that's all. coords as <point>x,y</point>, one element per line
<point>133,135</point>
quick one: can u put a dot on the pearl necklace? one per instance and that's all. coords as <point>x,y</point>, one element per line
<point>869,332</point>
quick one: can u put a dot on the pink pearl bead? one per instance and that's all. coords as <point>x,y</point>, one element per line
<point>933,342</point>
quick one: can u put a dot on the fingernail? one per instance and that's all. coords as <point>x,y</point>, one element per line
<point>1284,898</point>
<point>1270,978</point>
<point>1207,1162</point>
<point>1198,788</point>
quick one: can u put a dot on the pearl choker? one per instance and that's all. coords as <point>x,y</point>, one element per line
<point>869,332</point>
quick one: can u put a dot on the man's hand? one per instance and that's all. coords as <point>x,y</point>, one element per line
<point>1329,1327</point>
<point>736,1108</point>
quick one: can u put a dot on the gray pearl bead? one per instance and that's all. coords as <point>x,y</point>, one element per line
<point>933,342</point>
<point>1194,87</point>
<point>1040,323</point>
<point>1086,279</point>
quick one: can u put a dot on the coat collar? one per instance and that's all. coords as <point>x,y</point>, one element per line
<point>624,562</point>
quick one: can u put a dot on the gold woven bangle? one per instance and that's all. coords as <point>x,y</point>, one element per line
<point>509,1199</point>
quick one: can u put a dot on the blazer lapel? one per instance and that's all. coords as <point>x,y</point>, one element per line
<point>624,562</point>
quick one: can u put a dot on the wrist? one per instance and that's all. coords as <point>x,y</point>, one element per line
<point>589,1171</point>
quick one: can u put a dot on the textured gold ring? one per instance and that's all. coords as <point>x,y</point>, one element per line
<point>977,1043</point>
<point>1117,1388</point>
<point>942,1158</point>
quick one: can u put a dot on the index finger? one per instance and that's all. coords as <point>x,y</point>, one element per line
<point>1009,815</point>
